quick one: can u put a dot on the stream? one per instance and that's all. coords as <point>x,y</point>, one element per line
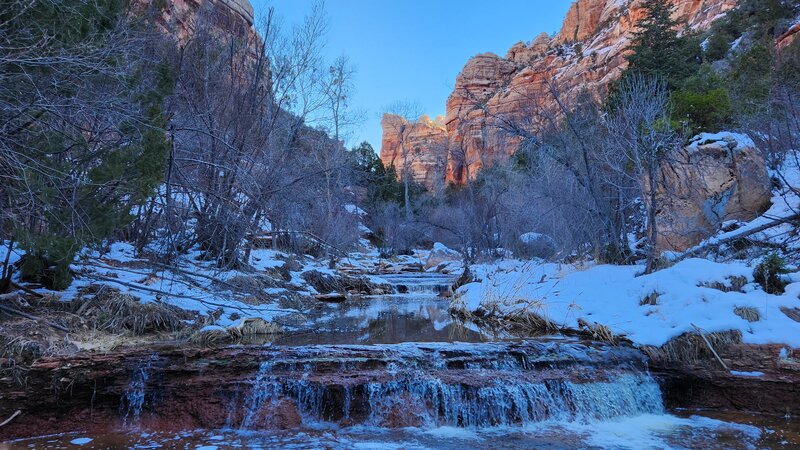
<point>397,371</point>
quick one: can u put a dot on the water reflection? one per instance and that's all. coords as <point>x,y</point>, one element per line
<point>418,315</point>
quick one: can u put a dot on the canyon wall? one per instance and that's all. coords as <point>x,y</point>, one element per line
<point>178,18</point>
<point>491,91</point>
<point>419,146</point>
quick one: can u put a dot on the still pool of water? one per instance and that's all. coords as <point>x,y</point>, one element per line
<point>418,314</point>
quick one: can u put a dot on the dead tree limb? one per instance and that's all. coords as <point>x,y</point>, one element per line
<point>708,343</point>
<point>13,416</point>
<point>717,243</point>
<point>32,317</point>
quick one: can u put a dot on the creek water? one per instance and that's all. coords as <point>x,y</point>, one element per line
<point>397,371</point>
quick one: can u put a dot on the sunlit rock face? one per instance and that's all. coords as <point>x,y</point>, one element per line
<point>787,38</point>
<point>715,179</point>
<point>420,146</point>
<point>586,55</point>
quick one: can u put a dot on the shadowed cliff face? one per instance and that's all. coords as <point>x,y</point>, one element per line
<point>492,91</point>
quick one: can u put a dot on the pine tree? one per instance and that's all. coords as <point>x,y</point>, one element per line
<point>658,48</point>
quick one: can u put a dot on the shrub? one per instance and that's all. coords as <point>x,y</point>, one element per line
<point>768,274</point>
<point>702,111</point>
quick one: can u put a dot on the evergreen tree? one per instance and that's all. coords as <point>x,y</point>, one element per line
<point>658,48</point>
<point>82,140</point>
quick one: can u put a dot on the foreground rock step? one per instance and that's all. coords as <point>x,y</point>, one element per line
<point>257,388</point>
<point>277,388</point>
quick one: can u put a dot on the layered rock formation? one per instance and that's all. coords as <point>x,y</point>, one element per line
<point>586,55</point>
<point>717,178</point>
<point>787,38</point>
<point>419,146</point>
<point>179,17</point>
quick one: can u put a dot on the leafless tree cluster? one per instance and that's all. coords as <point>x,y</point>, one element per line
<point>582,181</point>
<point>251,150</point>
<point>78,132</point>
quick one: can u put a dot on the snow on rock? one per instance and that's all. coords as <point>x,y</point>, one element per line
<point>737,141</point>
<point>441,254</point>
<point>263,259</point>
<point>616,296</point>
<point>538,245</point>
<point>354,209</point>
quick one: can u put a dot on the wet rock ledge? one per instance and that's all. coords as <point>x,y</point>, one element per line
<point>760,379</point>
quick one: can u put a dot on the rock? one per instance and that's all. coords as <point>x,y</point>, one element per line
<point>230,16</point>
<point>537,245</point>
<point>587,54</point>
<point>717,178</point>
<point>441,254</point>
<point>789,36</point>
<point>331,298</point>
<point>425,143</point>
<point>582,20</point>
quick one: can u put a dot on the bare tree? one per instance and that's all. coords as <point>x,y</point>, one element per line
<point>639,129</point>
<point>404,117</point>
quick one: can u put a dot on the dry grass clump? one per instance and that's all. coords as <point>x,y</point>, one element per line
<point>113,311</point>
<point>22,342</point>
<point>690,349</point>
<point>735,284</point>
<point>792,313</point>
<point>650,299</point>
<point>530,322</point>
<point>747,313</point>
<point>598,332</point>
<point>252,283</point>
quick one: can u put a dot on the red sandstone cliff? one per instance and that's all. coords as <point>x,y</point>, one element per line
<point>179,18</point>
<point>421,146</point>
<point>588,53</point>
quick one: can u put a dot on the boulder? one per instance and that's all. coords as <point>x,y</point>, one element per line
<point>717,178</point>
<point>537,245</point>
<point>441,254</point>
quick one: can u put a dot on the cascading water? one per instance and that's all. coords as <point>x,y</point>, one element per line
<point>134,398</point>
<point>466,385</point>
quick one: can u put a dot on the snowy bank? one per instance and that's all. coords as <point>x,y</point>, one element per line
<point>648,309</point>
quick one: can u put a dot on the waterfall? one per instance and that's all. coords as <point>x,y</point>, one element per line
<point>134,397</point>
<point>429,386</point>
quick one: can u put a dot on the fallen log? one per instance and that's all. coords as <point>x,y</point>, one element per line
<point>717,243</point>
<point>331,298</point>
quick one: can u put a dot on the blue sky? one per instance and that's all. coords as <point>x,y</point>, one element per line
<point>412,50</point>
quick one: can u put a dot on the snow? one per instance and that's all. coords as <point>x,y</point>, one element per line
<point>354,209</point>
<point>747,374</point>
<point>741,140</point>
<point>263,259</point>
<point>612,296</point>
<point>16,254</point>
<point>441,249</point>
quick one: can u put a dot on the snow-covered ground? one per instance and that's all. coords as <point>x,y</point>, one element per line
<point>652,309</point>
<point>617,297</point>
<point>191,284</point>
